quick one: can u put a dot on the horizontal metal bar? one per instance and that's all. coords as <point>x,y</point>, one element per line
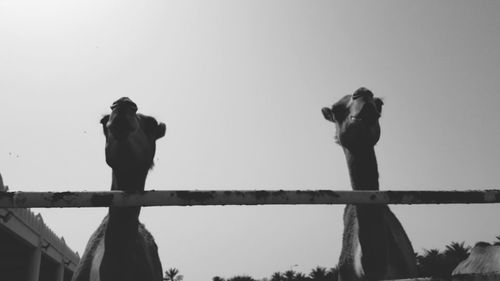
<point>239,197</point>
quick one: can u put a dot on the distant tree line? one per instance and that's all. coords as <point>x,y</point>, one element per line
<point>317,274</point>
<point>435,263</point>
<point>432,263</point>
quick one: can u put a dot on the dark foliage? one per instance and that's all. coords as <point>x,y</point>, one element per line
<point>172,274</point>
<point>241,278</point>
<point>316,274</point>
<point>434,263</point>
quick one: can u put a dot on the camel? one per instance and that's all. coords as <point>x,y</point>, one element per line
<point>374,245</point>
<point>122,249</point>
<point>483,263</point>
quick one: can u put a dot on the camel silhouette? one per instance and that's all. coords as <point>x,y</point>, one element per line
<point>121,249</point>
<point>374,245</point>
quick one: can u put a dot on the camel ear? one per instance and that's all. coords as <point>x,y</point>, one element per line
<point>378,104</point>
<point>160,130</point>
<point>328,114</point>
<point>104,121</point>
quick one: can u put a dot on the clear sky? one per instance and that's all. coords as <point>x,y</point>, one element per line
<point>240,85</point>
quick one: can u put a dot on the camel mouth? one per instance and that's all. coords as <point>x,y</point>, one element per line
<point>365,118</point>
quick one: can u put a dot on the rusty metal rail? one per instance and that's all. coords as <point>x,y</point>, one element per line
<point>240,197</point>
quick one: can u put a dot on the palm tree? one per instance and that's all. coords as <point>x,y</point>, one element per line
<point>289,275</point>
<point>454,254</point>
<point>241,278</point>
<point>431,264</point>
<point>218,278</point>
<point>497,243</point>
<point>277,276</point>
<point>332,274</point>
<point>172,275</point>
<point>299,276</point>
<point>318,274</point>
<point>457,251</point>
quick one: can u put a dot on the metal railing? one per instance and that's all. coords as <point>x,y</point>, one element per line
<point>243,197</point>
<point>239,197</point>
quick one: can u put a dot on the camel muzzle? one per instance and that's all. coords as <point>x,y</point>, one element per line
<point>124,103</point>
<point>365,110</point>
<point>123,118</point>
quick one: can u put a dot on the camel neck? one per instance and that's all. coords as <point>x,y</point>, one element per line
<point>363,169</point>
<point>122,227</point>
<point>123,222</point>
<point>129,180</point>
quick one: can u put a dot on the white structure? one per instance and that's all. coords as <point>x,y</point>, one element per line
<point>483,264</point>
<point>29,250</point>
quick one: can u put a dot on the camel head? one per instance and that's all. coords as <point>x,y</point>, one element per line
<point>356,119</point>
<point>130,137</point>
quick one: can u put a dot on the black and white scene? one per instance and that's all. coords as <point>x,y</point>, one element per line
<point>218,140</point>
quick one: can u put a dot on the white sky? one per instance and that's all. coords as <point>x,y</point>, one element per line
<point>240,85</point>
